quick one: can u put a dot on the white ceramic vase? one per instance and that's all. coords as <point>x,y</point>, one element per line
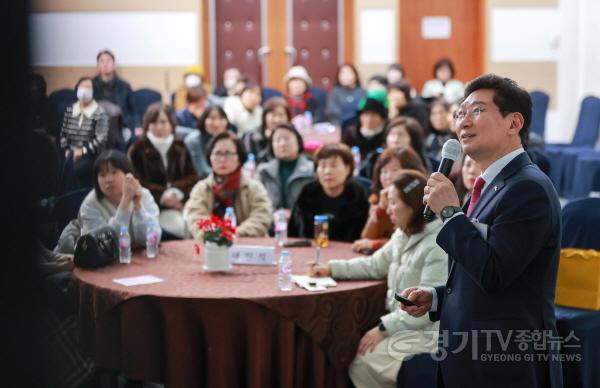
<point>216,258</point>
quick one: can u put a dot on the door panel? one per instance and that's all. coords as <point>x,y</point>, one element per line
<point>464,48</point>
<point>315,39</point>
<point>237,34</point>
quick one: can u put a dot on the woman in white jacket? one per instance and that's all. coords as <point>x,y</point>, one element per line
<point>411,257</point>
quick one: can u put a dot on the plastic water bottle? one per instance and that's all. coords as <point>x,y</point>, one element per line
<point>152,239</point>
<point>124,246</point>
<point>308,121</point>
<point>249,167</point>
<point>357,160</point>
<point>230,215</point>
<point>285,271</point>
<point>280,227</point>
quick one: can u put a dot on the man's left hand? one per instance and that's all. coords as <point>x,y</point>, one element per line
<point>439,193</point>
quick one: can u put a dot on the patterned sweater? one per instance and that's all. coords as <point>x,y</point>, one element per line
<point>87,128</point>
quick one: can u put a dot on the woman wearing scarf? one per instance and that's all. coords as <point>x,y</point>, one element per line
<point>299,98</point>
<point>164,166</point>
<point>227,187</point>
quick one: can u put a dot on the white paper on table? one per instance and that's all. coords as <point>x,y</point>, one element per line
<point>314,284</point>
<point>138,280</point>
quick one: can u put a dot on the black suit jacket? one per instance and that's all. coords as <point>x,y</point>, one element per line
<point>503,285</point>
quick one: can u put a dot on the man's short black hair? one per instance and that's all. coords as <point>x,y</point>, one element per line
<point>508,96</point>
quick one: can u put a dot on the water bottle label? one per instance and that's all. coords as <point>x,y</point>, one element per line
<point>124,242</point>
<point>280,226</point>
<point>152,238</point>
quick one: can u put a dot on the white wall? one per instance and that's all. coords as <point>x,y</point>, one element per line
<point>136,38</point>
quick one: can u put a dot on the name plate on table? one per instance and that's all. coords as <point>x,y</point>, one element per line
<point>252,255</point>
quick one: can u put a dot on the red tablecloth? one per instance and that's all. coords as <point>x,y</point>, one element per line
<point>231,329</point>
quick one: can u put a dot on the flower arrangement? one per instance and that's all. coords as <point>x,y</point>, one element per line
<point>217,230</point>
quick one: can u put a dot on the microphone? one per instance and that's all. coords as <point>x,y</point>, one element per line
<point>450,153</point>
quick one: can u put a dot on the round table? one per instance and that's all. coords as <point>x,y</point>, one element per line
<point>224,329</point>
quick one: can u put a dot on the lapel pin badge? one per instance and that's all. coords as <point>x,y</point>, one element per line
<point>495,188</point>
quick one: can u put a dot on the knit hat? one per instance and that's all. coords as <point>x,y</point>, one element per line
<point>374,101</point>
<point>297,72</point>
<point>193,69</point>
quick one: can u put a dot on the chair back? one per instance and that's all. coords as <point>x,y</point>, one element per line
<point>66,207</point>
<point>540,102</point>
<point>62,98</point>
<point>586,132</point>
<point>267,93</point>
<point>320,96</point>
<point>143,99</point>
<point>581,223</point>
<point>365,183</point>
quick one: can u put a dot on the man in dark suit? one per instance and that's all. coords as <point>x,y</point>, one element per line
<point>496,310</point>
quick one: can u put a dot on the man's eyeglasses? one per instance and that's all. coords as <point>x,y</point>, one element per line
<point>473,113</point>
<point>225,154</point>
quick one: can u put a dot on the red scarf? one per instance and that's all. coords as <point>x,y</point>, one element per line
<point>298,107</point>
<point>225,191</point>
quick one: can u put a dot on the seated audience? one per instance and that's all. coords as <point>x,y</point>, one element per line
<point>289,171</point>
<point>109,86</point>
<point>299,98</point>
<point>244,111</point>
<point>164,166</point>
<point>395,73</point>
<point>195,105</point>
<point>84,132</point>
<point>469,171</point>
<point>377,82</point>
<point>227,187</point>
<point>118,199</point>
<point>372,114</point>
<point>333,193</point>
<point>440,129</point>
<point>444,85</point>
<point>210,123</point>
<point>230,78</point>
<point>256,141</point>
<point>411,258</point>
<point>402,104</point>
<point>379,227</point>
<point>193,77</point>
<point>346,92</point>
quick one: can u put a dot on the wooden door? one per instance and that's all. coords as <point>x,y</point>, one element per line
<point>464,47</point>
<point>314,39</point>
<point>236,38</point>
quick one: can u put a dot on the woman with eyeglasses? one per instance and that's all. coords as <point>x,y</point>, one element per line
<point>227,187</point>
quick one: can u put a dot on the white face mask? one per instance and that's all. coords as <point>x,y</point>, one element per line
<point>85,94</point>
<point>193,80</point>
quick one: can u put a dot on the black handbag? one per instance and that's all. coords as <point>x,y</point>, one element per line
<point>97,248</point>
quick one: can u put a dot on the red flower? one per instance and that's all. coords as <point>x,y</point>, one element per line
<point>216,230</point>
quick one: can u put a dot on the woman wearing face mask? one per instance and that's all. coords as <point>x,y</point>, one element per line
<point>227,187</point>
<point>118,199</point>
<point>84,132</point>
<point>193,77</point>
<point>410,258</point>
<point>347,92</point>
<point>333,193</point>
<point>164,166</point>
<point>379,227</point>
<point>244,111</point>
<point>256,141</point>
<point>290,170</point>
<point>210,123</point>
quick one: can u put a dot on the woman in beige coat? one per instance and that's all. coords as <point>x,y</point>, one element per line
<point>227,187</point>
<point>411,257</point>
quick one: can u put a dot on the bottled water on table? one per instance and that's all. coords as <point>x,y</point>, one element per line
<point>285,271</point>
<point>152,239</point>
<point>124,246</point>
<point>230,215</point>
<point>280,227</point>
<point>357,160</point>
